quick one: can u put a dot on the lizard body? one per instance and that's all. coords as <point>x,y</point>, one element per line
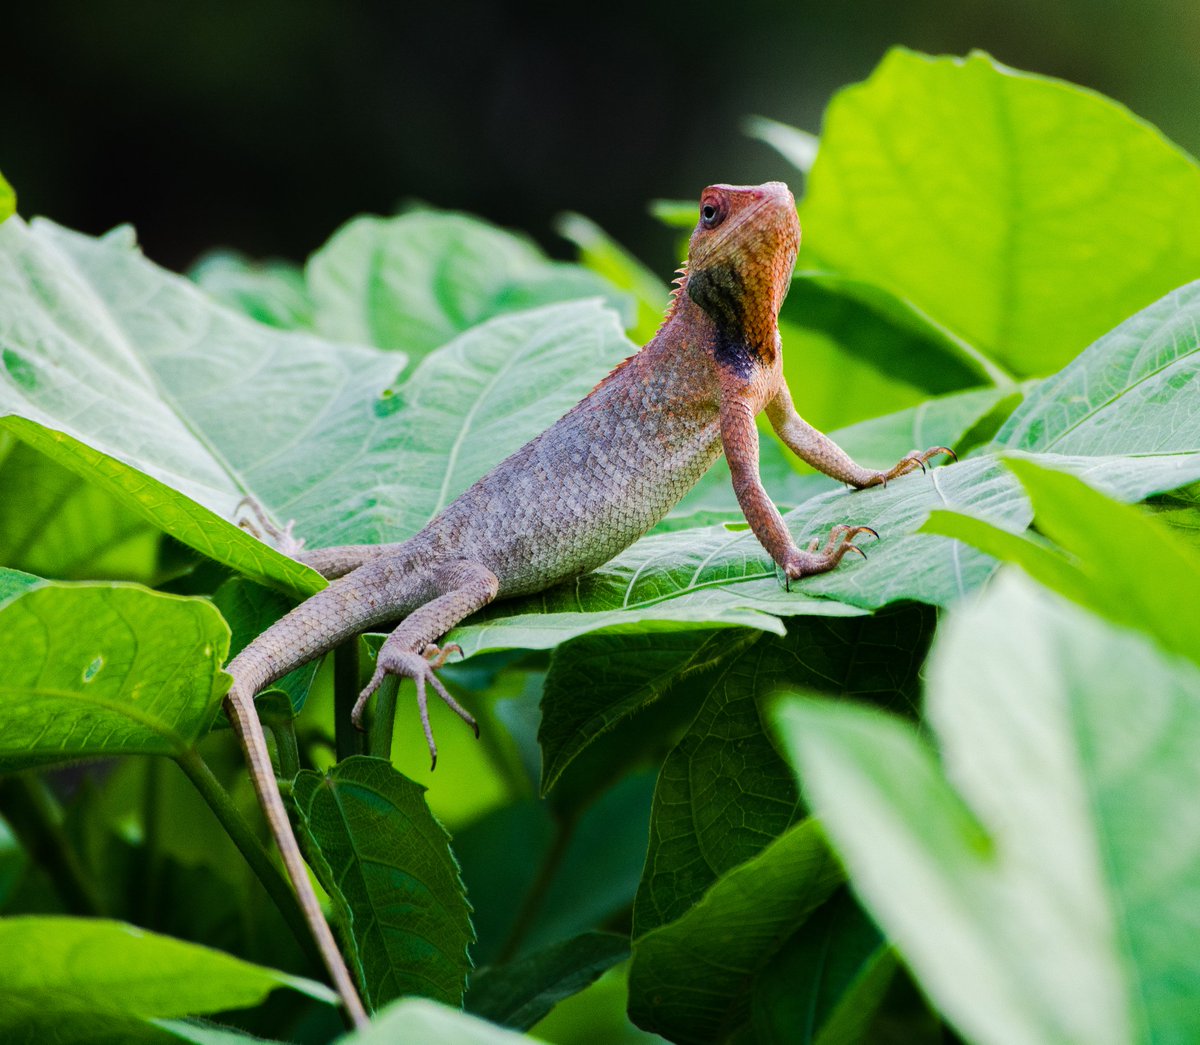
<point>581,492</point>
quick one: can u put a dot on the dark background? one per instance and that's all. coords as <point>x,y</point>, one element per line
<point>264,125</point>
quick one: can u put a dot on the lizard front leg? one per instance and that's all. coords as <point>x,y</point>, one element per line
<point>409,652</point>
<point>739,437</point>
<point>817,449</point>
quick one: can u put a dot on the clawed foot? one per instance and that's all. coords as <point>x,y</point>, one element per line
<point>840,541</point>
<point>910,463</point>
<point>284,540</point>
<point>420,668</point>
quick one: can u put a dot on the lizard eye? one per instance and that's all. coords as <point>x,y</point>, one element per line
<point>710,215</point>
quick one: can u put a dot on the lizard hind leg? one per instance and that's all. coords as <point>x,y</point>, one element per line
<point>410,651</point>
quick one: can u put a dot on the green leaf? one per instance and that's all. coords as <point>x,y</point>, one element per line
<point>798,147</point>
<point>840,333</point>
<point>827,982</point>
<point>519,993</point>
<point>1132,392</point>
<point>8,199</point>
<point>156,405</point>
<point>272,292</point>
<point>1026,215</point>
<point>420,1020</point>
<point>597,680</point>
<point>678,214</point>
<point>608,259</point>
<point>1049,893</point>
<point>1110,558</point>
<point>64,967</point>
<point>15,582</point>
<point>417,281</point>
<point>386,863</point>
<point>692,979</point>
<point>724,792</point>
<point>57,524</point>
<point>90,670</point>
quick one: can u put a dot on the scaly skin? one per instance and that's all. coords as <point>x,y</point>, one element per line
<point>582,491</point>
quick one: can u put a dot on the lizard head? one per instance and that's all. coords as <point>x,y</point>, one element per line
<point>741,256</point>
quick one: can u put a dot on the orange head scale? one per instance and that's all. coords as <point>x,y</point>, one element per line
<point>740,260</point>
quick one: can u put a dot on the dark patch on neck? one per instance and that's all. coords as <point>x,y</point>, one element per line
<point>721,292</point>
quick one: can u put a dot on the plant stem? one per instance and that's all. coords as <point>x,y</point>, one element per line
<point>383,721</point>
<point>287,751</point>
<point>36,820</point>
<point>349,739</point>
<point>248,843</point>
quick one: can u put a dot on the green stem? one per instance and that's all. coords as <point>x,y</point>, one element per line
<point>36,821</point>
<point>349,739</point>
<point>383,719</point>
<point>239,830</point>
<point>287,751</point>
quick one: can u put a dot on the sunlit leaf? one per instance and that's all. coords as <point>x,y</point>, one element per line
<point>106,669</point>
<point>417,281</point>
<point>1025,214</point>
<point>72,966</point>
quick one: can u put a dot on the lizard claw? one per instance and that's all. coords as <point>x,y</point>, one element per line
<point>911,462</point>
<point>420,668</point>
<point>438,655</point>
<point>840,542</point>
<point>259,525</point>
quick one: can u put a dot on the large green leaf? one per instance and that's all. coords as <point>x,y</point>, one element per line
<point>416,281</point>
<point>55,523</point>
<point>1044,885</point>
<point>68,969</point>
<point>1026,215</point>
<point>387,864</point>
<point>841,334</point>
<point>723,792</point>
<point>1132,392</point>
<point>692,979</point>
<point>145,371</point>
<point>1111,558</point>
<point>106,669</point>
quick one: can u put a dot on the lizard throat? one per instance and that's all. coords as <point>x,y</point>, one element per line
<point>745,321</point>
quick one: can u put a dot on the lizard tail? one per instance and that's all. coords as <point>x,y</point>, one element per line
<point>239,706</point>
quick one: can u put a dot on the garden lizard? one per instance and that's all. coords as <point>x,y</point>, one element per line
<point>579,493</point>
